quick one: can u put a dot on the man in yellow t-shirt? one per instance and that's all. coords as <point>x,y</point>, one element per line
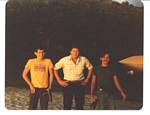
<point>40,83</point>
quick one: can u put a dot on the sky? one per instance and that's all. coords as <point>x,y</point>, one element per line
<point>133,2</point>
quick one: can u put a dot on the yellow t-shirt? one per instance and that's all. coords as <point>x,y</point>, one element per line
<point>39,72</point>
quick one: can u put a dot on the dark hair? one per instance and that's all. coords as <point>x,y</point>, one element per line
<point>40,48</point>
<point>75,46</point>
<point>104,53</point>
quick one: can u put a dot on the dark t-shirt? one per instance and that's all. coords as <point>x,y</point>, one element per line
<point>104,79</point>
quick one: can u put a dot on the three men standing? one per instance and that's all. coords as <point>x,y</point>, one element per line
<point>73,80</point>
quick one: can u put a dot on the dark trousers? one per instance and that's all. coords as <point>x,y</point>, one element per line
<point>42,95</point>
<point>74,89</point>
<point>105,101</point>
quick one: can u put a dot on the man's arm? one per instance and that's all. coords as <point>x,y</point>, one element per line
<point>93,82</point>
<point>89,74</point>
<point>51,78</point>
<point>89,66</point>
<point>27,80</point>
<point>118,86</point>
<point>59,80</point>
<point>59,65</point>
<point>84,82</point>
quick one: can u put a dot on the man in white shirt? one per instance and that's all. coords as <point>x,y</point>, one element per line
<point>74,80</point>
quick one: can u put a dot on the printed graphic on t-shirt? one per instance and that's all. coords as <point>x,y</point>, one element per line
<point>39,68</point>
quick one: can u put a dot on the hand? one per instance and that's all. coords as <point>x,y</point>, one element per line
<point>63,83</point>
<point>32,89</point>
<point>93,98</point>
<point>84,82</point>
<point>49,89</point>
<point>123,96</point>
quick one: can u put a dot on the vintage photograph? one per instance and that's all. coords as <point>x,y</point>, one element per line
<point>74,55</point>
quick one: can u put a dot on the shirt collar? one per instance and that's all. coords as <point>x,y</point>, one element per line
<point>78,60</point>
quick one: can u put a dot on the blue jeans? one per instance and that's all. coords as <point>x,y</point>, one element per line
<point>105,101</point>
<point>42,95</point>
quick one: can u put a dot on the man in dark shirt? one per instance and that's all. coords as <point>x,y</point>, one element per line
<point>104,80</point>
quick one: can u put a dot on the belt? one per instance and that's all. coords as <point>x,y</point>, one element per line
<point>75,82</point>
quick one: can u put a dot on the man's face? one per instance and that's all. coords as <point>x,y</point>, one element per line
<point>105,59</point>
<point>74,53</point>
<point>39,53</point>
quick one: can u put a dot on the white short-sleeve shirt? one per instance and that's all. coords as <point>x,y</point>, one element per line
<point>72,71</point>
